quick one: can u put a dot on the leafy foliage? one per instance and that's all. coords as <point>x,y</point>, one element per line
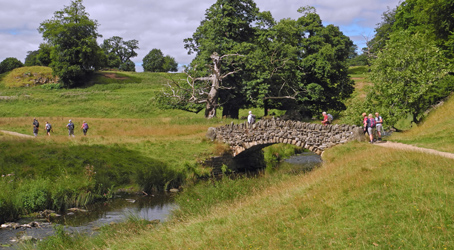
<point>74,51</point>
<point>9,64</point>
<point>407,74</point>
<point>120,52</point>
<point>293,64</point>
<point>155,61</point>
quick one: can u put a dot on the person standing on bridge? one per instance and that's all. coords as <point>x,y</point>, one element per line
<point>250,119</point>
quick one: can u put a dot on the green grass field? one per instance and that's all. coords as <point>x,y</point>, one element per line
<point>362,197</point>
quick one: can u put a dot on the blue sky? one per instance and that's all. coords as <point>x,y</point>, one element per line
<point>164,24</point>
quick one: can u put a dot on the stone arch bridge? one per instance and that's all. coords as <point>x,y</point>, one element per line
<point>244,141</point>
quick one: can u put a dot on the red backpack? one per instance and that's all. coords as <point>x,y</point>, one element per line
<point>372,122</point>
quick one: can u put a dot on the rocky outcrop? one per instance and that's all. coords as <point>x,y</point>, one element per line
<point>314,137</point>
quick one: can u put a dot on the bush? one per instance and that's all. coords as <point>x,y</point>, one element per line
<point>9,64</point>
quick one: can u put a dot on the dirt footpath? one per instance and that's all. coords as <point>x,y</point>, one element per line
<point>402,146</point>
<point>15,134</point>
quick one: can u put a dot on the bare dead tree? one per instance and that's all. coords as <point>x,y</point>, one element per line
<point>202,89</point>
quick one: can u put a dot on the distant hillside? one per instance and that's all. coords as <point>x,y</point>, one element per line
<point>29,76</point>
<point>39,75</point>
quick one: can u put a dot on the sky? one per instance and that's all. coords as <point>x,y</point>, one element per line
<point>164,24</point>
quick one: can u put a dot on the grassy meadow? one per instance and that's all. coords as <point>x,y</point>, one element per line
<point>363,196</point>
<point>130,144</point>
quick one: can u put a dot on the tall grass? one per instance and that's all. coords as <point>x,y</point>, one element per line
<point>40,175</point>
<point>435,132</point>
<point>363,197</point>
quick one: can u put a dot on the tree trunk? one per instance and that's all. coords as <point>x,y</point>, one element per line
<point>212,99</point>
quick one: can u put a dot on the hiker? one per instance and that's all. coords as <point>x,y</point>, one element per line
<point>84,127</point>
<point>35,127</point>
<point>325,119</point>
<point>70,127</point>
<point>48,128</point>
<point>370,128</point>
<point>379,126</point>
<point>364,122</point>
<point>250,119</point>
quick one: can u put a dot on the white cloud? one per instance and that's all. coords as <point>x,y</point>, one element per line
<point>164,25</point>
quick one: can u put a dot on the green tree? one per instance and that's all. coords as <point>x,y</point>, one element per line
<point>170,65</point>
<point>119,52</point>
<point>155,61</point>
<point>44,54</point>
<point>9,64</point>
<point>301,65</point>
<point>72,35</point>
<point>434,18</point>
<point>229,27</point>
<point>128,66</point>
<point>405,76</point>
<point>32,58</point>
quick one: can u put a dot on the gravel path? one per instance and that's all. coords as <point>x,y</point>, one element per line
<point>402,146</point>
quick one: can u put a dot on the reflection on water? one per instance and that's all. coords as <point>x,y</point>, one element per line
<point>156,207</point>
<point>303,162</point>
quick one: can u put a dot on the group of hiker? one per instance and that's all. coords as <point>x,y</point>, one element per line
<point>70,126</point>
<point>371,125</point>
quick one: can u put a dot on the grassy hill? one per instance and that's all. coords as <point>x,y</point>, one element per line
<point>362,197</point>
<point>435,132</point>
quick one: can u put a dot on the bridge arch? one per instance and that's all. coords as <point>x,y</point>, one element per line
<point>314,137</point>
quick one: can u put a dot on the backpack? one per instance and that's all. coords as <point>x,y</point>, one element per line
<point>330,118</point>
<point>71,126</point>
<point>378,119</point>
<point>372,123</point>
<point>50,126</point>
<point>86,126</point>
<point>252,119</point>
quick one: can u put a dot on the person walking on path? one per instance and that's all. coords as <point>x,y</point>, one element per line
<point>250,119</point>
<point>35,127</point>
<point>370,127</point>
<point>48,128</point>
<point>70,127</point>
<point>379,125</point>
<point>84,128</point>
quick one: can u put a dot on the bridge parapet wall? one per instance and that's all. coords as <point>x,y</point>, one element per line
<point>314,137</point>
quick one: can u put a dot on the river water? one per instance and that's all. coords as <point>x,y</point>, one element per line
<point>152,207</point>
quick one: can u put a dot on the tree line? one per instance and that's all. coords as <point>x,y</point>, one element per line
<point>70,48</point>
<point>245,58</point>
<point>411,58</point>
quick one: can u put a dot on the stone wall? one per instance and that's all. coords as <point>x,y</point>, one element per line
<point>314,137</point>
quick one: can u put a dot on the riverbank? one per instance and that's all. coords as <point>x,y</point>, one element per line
<point>363,196</point>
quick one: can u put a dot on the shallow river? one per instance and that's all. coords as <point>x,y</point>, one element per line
<point>153,207</point>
